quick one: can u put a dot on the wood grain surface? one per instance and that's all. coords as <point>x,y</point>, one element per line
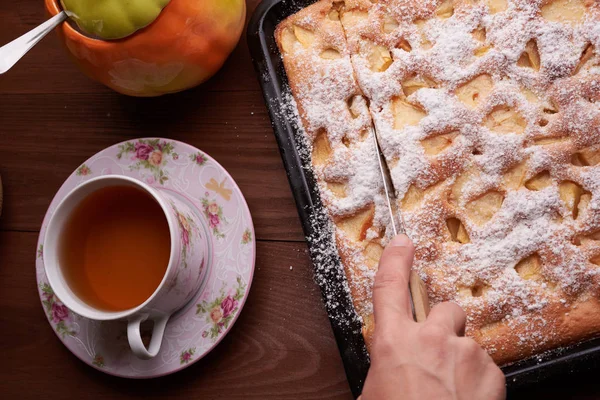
<point>52,118</point>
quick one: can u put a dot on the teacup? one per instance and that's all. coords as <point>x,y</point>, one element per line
<point>183,274</point>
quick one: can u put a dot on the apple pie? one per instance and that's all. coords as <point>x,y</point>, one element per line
<point>488,116</point>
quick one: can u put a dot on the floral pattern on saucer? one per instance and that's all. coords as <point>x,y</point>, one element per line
<point>58,313</point>
<point>214,215</point>
<point>191,333</point>
<point>83,170</point>
<point>220,311</point>
<point>247,236</point>
<point>149,154</point>
<point>98,361</point>
<point>187,355</point>
<point>198,158</point>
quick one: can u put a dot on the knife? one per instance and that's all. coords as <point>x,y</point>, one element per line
<point>419,300</point>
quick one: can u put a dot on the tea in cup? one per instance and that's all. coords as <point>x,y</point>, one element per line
<point>118,249</point>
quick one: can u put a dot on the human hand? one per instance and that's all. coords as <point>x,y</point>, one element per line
<point>428,360</point>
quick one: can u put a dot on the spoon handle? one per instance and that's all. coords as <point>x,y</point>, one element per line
<point>12,52</point>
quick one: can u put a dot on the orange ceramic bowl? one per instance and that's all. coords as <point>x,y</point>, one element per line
<point>187,44</point>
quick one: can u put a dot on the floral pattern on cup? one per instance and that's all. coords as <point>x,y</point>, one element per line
<point>149,154</point>
<point>220,312</point>
<point>214,215</point>
<point>40,251</point>
<point>188,229</point>
<point>187,355</point>
<point>247,236</point>
<point>57,312</point>
<point>198,158</point>
<point>98,361</point>
<point>83,170</point>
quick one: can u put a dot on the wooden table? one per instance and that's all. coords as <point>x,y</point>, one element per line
<point>51,119</point>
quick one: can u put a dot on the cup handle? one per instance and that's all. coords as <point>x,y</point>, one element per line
<point>135,338</point>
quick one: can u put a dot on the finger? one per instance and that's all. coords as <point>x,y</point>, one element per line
<point>390,293</point>
<point>449,315</point>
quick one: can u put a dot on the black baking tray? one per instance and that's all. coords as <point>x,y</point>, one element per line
<point>346,327</point>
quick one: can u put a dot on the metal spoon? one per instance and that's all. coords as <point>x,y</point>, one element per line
<point>12,52</point>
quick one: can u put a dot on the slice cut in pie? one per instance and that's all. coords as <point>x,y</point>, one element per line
<point>338,131</point>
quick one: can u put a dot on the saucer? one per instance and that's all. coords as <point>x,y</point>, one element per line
<point>199,326</point>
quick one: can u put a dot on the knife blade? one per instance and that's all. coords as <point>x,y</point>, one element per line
<point>419,300</point>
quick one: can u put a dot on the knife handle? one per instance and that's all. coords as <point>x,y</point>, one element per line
<point>420,299</point>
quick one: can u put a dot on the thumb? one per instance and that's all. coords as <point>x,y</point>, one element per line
<point>391,302</point>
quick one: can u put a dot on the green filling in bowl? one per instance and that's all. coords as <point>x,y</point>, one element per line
<point>113,19</point>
